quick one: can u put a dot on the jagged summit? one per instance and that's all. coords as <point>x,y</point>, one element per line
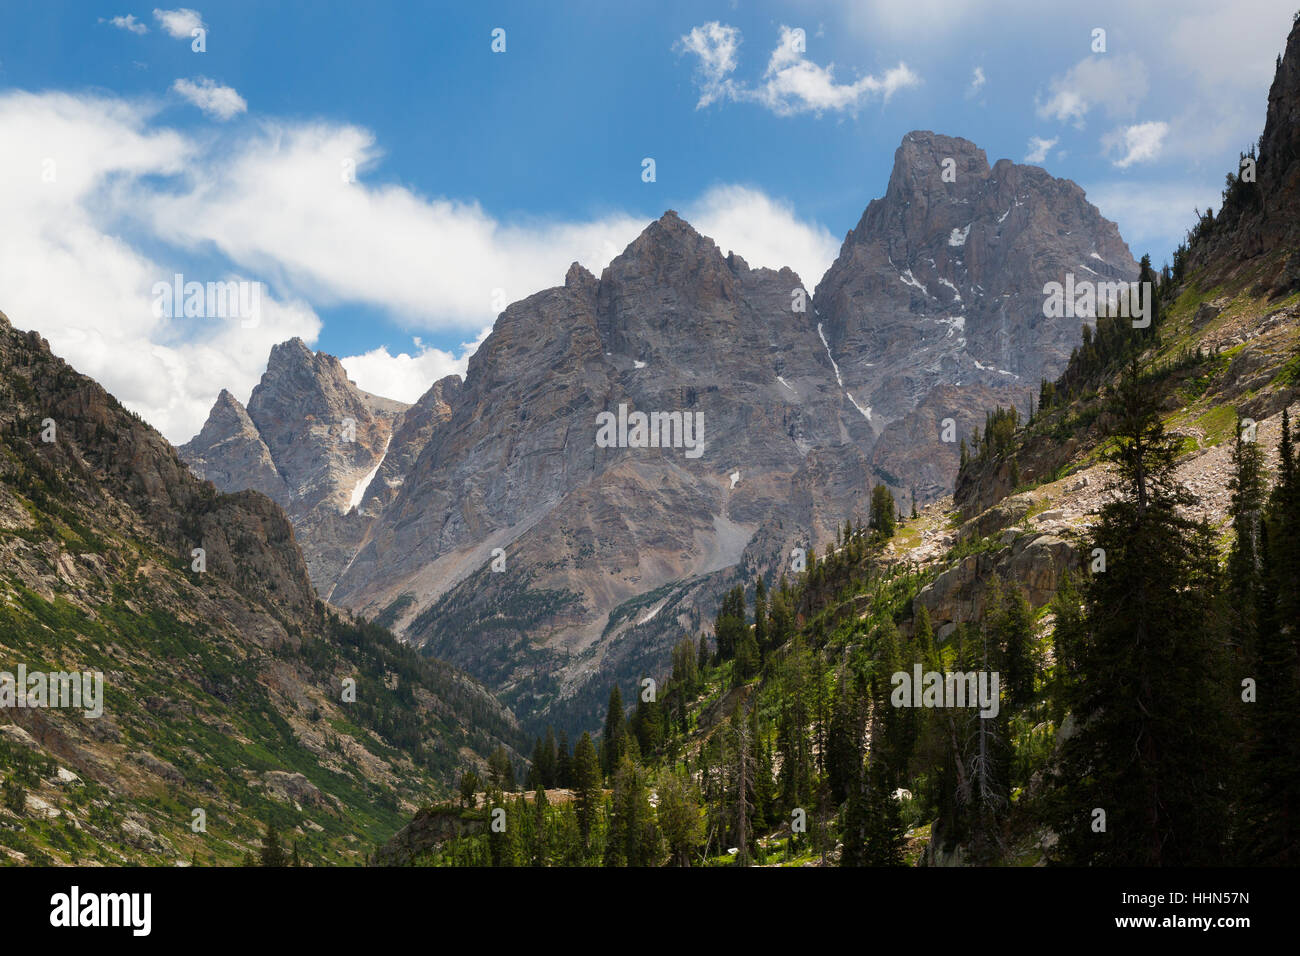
<point>941,284</point>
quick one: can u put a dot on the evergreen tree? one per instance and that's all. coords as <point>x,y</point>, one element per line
<point>563,762</point>
<point>1150,750</point>
<point>549,769</point>
<point>272,851</point>
<point>614,742</point>
<point>469,785</point>
<point>729,626</point>
<point>634,838</point>
<point>1245,562</point>
<point>882,520</point>
<point>781,619</point>
<point>586,784</point>
<point>540,854</point>
<point>1011,624</point>
<point>681,816</point>
<point>885,833</point>
<point>1272,832</point>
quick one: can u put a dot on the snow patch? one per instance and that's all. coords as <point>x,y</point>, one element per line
<point>866,412</point>
<point>637,363</point>
<point>827,346</point>
<point>787,384</point>
<point>958,236</point>
<point>908,279</point>
<point>359,492</point>
<point>955,323</point>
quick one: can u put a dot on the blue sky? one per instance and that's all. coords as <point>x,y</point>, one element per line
<point>480,175</point>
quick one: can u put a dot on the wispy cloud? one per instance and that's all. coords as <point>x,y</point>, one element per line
<point>1039,148</point>
<point>1140,143</point>
<point>127,22</point>
<point>977,81</point>
<point>1114,83</point>
<point>715,47</point>
<point>223,102</point>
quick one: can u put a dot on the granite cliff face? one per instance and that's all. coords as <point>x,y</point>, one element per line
<point>312,442</point>
<point>672,327</point>
<point>498,532</point>
<point>941,285</point>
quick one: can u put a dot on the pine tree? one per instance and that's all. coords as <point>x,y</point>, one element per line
<point>540,838</point>
<point>885,833</point>
<point>469,785</point>
<point>1011,623</point>
<point>272,851</point>
<point>882,520</point>
<point>563,762</point>
<point>549,759</point>
<point>1272,832</point>
<point>1150,693</point>
<point>1245,562</point>
<point>729,625</point>
<point>586,784</point>
<point>614,742</point>
<point>681,815</point>
<point>634,838</point>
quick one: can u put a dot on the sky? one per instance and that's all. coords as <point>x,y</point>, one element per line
<point>387,177</point>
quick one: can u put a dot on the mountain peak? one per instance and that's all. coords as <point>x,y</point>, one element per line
<point>293,351</point>
<point>577,276</point>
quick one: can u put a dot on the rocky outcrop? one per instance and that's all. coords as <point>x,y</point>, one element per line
<point>1034,562</point>
<point>229,452</point>
<point>1262,218</point>
<point>431,827</point>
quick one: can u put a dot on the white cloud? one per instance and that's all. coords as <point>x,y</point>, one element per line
<point>791,84</point>
<point>1141,142</point>
<point>211,97</point>
<point>67,270</point>
<point>715,46</point>
<point>406,377</point>
<point>128,22</point>
<point>180,23</point>
<point>977,81</point>
<point>273,207</point>
<point>1039,148</point>
<point>1116,83</point>
<point>763,231</point>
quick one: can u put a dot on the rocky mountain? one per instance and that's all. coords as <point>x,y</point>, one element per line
<point>934,307</point>
<point>312,442</point>
<point>500,532</point>
<point>672,328</point>
<point>224,678</point>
